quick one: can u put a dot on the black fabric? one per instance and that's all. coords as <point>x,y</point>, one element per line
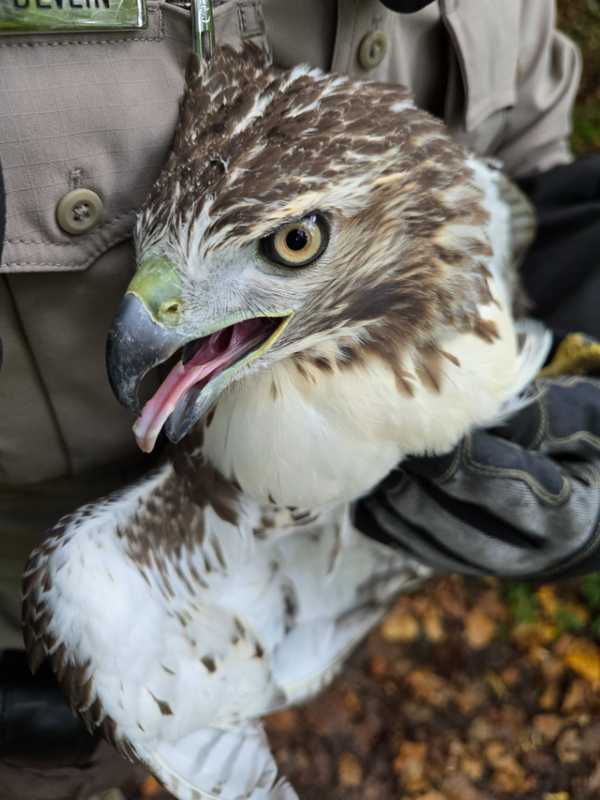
<point>561,272</point>
<point>2,211</point>
<point>406,6</point>
<point>37,728</point>
<point>2,229</point>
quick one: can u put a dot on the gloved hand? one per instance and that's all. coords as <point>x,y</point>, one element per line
<point>37,728</point>
<point>521,501</point>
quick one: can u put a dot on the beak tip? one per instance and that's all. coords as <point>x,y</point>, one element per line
<point>135,345</point>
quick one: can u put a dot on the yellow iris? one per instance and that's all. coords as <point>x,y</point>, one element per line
<point>297,244</point>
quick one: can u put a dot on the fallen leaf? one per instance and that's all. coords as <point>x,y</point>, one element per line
<point>433,627</point>
<point>471,698</point>
<point>583,657</point>
<point>479,629</point>
<point>459,787</point>
<point>352,702</point>
<point>285,721</point>
<point>399,626</point>
<point>590,741</point>
<point>481,730</point>
<point>409,765</point>
<point>549,697</point>
<point>594,780</point>
<point>150,788</point>
<point>557,796</point>
<point>429,687</point>
<point>569,747</point>
<point>547,599</point>
<point>350,771</point>
<point>378,666</point>
<point>496,684</point>
<point>530,634</point>
<point>548,726</point>
<point>577,696</point>
<point>472,767</point>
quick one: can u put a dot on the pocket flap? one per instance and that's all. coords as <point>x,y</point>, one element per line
<point>485,34</point>
<point>93,111</point>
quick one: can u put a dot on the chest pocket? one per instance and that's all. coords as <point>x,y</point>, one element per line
<point>92,113</point>
<point>485,38</point>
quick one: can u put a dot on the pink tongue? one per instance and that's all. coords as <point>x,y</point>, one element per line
<point>218,349</point>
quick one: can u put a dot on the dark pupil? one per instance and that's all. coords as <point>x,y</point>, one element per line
<point>297,239</point>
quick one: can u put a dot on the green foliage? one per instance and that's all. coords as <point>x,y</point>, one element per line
<point>567,621</point>
<point>580,19</point>
<point>522,602</point>
<point>590,588</point>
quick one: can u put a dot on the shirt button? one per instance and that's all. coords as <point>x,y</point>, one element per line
<point>372,50</point>
<point>79,211</point>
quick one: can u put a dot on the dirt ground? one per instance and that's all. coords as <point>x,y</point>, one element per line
<point>470,690</point>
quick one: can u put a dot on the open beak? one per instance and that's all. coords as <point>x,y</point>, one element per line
<point>142,338</point>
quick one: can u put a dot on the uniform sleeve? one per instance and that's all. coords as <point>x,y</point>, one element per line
<point>522,501</point>
<point>2,212</point>
<point>539,125</point>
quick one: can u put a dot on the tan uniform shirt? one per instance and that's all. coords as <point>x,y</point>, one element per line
<point>97,111</point>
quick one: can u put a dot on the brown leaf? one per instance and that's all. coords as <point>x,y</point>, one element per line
<point>285,721</point>
<point>583,657</point>
<point>409,765</point>
<point>548,726</point>
<point>472,767</point>
<point>576,697</point>
<point>429,687</point>
<point>594,780</point>
<point>549,697</point>
<point>433,626</point>
<point>590,740</point>
<point>479,629</point>
<point>399,626</point>
<point>378,666</point>
<point>459,787</point>
<point>470,698</point>
<point>481,730</point>
<point>546,596</point>
<point>350,771</point>
<point>568,747</point>
<point>352,702</point>
<point>150,788</point>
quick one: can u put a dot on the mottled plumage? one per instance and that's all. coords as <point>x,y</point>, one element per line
<point>231,581</point>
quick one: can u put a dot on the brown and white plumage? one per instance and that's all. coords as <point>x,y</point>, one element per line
<point>231,581</point>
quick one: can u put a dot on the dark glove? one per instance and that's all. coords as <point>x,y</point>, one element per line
<point>37,728</point>
<point>520,501</point>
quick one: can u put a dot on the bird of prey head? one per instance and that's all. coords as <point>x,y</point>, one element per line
<point>300,216</point>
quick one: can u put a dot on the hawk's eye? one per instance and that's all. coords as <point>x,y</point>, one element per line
<point>297,244</point>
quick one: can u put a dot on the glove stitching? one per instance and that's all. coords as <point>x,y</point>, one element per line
<point>543,429</point>
<point>511,472</point>
<point>578,436</point>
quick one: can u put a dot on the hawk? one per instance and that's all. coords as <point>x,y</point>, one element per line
<point>327,281</point>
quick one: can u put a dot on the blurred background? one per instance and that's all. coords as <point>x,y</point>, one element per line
<point>469,690</point>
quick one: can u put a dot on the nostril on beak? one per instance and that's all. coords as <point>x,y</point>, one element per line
<point>169,312</point>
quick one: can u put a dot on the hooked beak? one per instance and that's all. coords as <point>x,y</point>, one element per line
<point>136,344</point>
<point>146,333</point>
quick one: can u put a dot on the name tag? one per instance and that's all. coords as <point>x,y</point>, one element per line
<point>64,16</point>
